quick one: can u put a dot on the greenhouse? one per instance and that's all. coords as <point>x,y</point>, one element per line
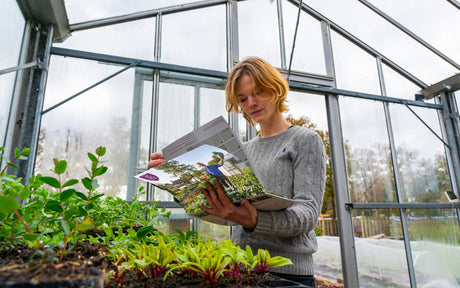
<point>102,84</point>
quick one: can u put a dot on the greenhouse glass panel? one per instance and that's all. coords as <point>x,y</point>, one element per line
<point>210,231</point>
<point>11,31</point>
<point>355,69</point>
<point>397,86</point>
<point>367,152</point>
<point>99,117</point>
<point>176,106</point>
<point>115,39</point>
<point>177,220</point>
<point>258,30</point>
<point>195,38</point>
<point>435,245</point>
<point>375,31</point>
<point>421,156</point>
<point>380,250</point>
<point>145,130</point>
<point>212,104</point>
<point>308,48</point>
<point>87,10</point>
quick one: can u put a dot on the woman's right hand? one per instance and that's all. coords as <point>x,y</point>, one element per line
<point>156,159</point>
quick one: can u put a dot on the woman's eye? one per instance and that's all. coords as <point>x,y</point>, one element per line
<point>241,100</point>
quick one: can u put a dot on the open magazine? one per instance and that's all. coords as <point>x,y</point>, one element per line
<point>210,153</point>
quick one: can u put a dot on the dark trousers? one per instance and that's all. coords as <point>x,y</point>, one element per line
<point>307,280</point>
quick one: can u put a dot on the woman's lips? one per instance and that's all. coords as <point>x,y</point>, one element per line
<point>257,112</point>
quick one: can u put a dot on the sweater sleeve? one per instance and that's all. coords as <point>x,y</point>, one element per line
<point>308,160</point>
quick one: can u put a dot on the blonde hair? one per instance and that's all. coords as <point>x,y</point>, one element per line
<point>264,76</point>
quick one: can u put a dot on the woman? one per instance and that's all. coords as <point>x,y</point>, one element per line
<point>291,161</point>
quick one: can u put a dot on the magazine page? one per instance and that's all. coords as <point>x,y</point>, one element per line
<point>209,154</point>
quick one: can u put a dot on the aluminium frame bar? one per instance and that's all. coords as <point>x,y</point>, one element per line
<point>300,86</point>
<point>33,64</point>
<point>396,175</point>
<point>402,205</point>
<point>89,88</point>
<point>410,33</point>
<point>144,14</point>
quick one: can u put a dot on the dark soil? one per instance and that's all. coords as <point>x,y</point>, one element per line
<point>86,266</point>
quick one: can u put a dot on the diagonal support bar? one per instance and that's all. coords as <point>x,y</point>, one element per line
<point>90,87</point>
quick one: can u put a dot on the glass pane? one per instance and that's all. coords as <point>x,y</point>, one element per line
<point>435,245</point>
<point>354,68</point>
<point>397,86</point>
<point>212,104</point>
<point>114,39</point>
<point>146,123</point>
<point>175,118</point>
<point>370,173</point>
<point>177,220</point>
<point>213,231</point>
<point>11,31</point>
<point>380,250</point>
<point>195,38</point>
<point>98,117</point>
<point>403,50</point>
<point>308,49</point>
<point>258,30</point>
<point>421,157</point>
<point>86,10</point>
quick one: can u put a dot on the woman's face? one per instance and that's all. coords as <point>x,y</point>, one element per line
<point>256,103</point>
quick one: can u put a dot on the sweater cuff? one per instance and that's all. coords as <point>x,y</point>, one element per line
<point>264,224</point>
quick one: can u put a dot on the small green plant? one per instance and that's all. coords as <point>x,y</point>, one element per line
<point>263,262</point>
<point>205,258</point>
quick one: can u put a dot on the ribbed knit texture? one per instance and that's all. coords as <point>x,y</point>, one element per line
<point>293,164</point>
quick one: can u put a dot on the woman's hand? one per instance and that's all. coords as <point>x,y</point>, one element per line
<point>221,206</point>
<point>156,159</point>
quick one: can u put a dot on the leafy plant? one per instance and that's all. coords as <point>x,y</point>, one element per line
<point>263,262</point>
<point>204,258</point>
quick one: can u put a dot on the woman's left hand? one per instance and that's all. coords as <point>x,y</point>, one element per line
<point>245,214</point>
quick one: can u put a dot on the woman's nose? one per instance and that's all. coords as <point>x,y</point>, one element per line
<point>252,100</point>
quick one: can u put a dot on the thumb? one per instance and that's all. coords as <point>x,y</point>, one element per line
<point>247,205</point>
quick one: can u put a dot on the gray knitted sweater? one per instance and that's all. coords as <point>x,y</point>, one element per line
<point>291,163</point>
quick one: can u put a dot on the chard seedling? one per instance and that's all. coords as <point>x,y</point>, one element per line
<point>263,262</point>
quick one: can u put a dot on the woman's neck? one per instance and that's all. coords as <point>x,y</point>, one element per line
<point>273,126</point>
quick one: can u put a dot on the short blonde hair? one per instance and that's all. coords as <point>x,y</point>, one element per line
<point>264,76</point>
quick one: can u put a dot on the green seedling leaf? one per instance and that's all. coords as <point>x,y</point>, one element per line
<point>66,194</point>
<point>53,205</point>
<point>100,151</point>
<point>25,193</point>
<point>60,167</point>
<point>53,182</point>
<point>84,225</point>
<point>81,196</point>
<point>17,154</point>
<point>99,171</point>
<point>92,157</point>
<point>70,183</point>
<point>8,204</point>
<point>25,151</point>
<point>87,183</point>
<point>14,166</point>
<point>7,178</point>
<point>30,236</point>
<point>83,211</point>
<point>65,227</point>
<point>141,233</point>
<point>94,184</point>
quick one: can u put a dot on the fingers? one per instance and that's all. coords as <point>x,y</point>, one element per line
<point>156,159</point>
